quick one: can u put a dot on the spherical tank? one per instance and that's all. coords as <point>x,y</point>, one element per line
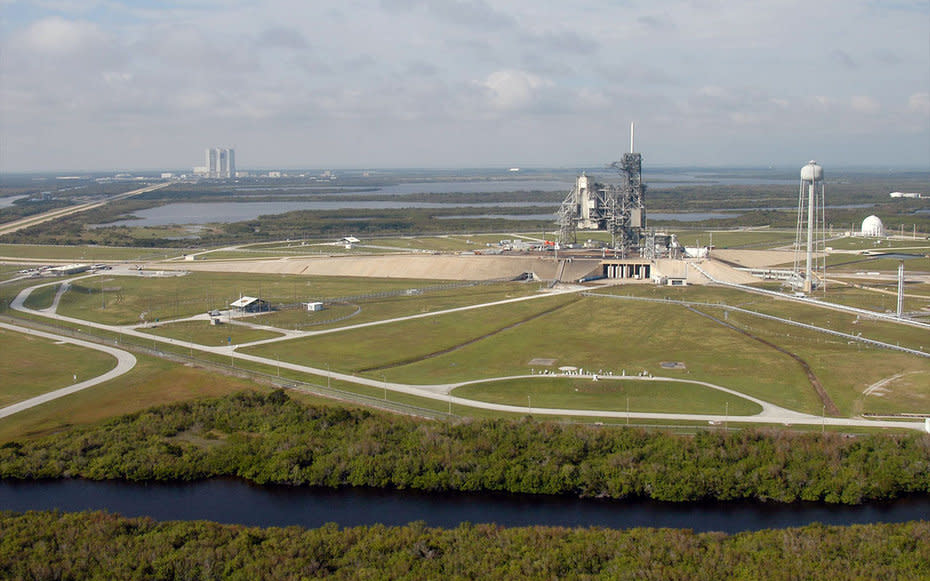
<point>812,172</point>
<point>872,226</point>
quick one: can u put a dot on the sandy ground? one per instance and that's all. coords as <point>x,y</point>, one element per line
<point>721,271</point>
<point>450,267</point>
<point>754,258</point>
<point>440,267</point>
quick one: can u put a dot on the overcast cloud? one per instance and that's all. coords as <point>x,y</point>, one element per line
<point>149,84</point>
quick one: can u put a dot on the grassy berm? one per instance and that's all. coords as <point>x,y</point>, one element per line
<point>273,439</point>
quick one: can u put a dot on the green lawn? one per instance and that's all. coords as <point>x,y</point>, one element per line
<point>378,309</point>
<point>310,320</point>
<point>609,394</point>
<point>856,263</point>
<point>171,297</point>
<point>394,344</point>
<point>90,253</point>
<point>845,370</point>
<point>919,245</point>
<point>152,382</point>
<point>593,333</point>
<point>31,366</point>
<point>754,239</point>
<point>42,298</point>
<point>203,333</point>
<point>621,336</point>
<point>873,300</point>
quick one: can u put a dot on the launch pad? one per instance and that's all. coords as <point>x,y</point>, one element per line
<point>619,209</point>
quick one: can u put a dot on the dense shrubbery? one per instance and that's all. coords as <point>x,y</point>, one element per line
<point>272,439</point>
<point>48,545</point>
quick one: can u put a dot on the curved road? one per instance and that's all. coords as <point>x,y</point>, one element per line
<point>124,362</point>
<point>770,414</point>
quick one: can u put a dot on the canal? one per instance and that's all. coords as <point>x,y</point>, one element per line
<point>237,502</point>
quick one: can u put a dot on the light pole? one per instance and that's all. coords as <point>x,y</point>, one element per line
<point>278,359</point>
<point>384,385</point>
<point>529,404</point>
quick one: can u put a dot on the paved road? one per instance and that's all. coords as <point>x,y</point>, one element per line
<point>771,414</point>
<point>61,212</point>
<point>125,361</point>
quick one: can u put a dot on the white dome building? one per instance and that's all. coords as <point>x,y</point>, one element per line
<point>873,227</point>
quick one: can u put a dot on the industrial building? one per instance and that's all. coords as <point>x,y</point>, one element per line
<point>219,163</point>
<point>616,208</point>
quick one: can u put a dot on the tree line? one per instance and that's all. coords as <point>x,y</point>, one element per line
<point>274,439</point>
<point>95,545</point>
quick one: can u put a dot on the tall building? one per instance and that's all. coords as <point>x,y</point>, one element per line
<point>220,163</point>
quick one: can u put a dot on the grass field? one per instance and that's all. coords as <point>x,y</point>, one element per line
<point>631,337</point>
<point>152,382</point>
<point>301,318</point>
<point>754,239</point>
<point>377,309</point>
<point>42,298</point>
<point>853,263</point>
<point>619,337</point>
<point>314,250</point>
<point>85,253</point>
<point>874,300</point>
<point>845,370</point>
<point>203,333</point>
<point>920,244</point>
<point>165,298</point>
<point>31,366</point>
<point>392,345</point>
<point>609,394</point>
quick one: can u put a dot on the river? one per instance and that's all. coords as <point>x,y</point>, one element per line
<point>237,502</point>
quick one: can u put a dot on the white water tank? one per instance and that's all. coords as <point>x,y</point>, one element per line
<point>872,226</point>
<point>812,172</point>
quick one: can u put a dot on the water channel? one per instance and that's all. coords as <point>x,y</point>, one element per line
<point>236,502</point>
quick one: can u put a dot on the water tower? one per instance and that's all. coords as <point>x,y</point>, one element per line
<point>810,237</point>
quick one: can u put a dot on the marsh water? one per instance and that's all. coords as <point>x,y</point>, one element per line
<point>238,502</point>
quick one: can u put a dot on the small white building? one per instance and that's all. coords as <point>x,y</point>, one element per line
<point>873,227</point>
<point>314,306</point>
<point>69,269</point>
<point>250,305</point>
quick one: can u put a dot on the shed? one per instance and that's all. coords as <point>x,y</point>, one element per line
<point>250,305</point>
<point>314,306</point>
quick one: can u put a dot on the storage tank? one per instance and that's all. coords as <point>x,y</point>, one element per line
<point>873,227</point>
<point>812,172</point>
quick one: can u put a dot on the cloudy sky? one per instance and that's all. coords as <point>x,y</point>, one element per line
<point>147,84</point>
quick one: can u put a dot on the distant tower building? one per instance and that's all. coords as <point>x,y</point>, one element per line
<point>220,163</point>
